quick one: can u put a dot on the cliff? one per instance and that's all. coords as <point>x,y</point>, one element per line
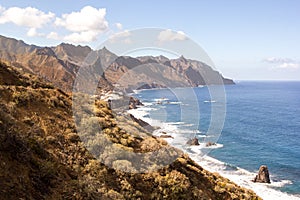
<point>43,157</point>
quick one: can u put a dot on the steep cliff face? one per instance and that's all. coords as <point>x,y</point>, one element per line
<point>43,157</point>
<point>60,64</point>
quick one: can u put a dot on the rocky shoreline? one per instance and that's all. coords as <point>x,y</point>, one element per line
<point>263,174</point>
<point>258,183</point>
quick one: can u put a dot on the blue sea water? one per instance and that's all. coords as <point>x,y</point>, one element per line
<point>262,125</point>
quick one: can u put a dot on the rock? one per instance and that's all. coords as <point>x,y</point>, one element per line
<point>73,137</point>
<point>109,103</point>
<point>134,102</point>
<point>193,141</point>
<point>208,144</point>
<point>166,136</point>
<point>142,123</point>
<point>263,175</point>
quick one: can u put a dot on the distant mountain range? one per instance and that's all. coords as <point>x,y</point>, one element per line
<point>61,63</point>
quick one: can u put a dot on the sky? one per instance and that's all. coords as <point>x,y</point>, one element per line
<point>246,40</point>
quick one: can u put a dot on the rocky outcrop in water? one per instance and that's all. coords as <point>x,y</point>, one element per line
<point>263,175</point>
<point>193,141</point>
<point>209,144</point>
<point>134,102</point>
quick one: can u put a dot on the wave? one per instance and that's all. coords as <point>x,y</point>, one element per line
<point>210,101</point>
<point>161,99</point>
<point>175,102</point>
<point>176,123</point>
<point>244,178</point>
<point>147,104</point>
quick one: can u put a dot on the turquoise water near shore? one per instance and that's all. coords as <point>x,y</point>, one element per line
<point>262,126</point>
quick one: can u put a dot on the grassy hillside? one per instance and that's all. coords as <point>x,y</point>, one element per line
<point>43,157</point>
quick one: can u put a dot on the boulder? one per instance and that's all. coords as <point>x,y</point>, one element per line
<point>208,144</point>
<point>142,123</point>
<point>134,102</point>
<point>263,175</point>
<point>193,141</point>
<point>166,136</point>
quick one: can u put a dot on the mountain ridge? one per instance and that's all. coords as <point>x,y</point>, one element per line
<point>60,64</point>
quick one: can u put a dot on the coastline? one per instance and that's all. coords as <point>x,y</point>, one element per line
<point>239,176</point>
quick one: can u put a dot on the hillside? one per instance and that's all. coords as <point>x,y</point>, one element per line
<point>60,64</point>
<point>43,157</point>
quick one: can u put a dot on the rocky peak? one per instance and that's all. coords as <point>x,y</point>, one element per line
<point>183,59</point>
<point>45,51</point>
<point>72,53</point>
<point>128,61</point>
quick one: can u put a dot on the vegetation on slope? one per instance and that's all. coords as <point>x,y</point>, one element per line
<point>43,157</point>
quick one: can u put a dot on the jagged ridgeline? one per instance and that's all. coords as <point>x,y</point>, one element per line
<point>59,65</point>
<point>42,156</point>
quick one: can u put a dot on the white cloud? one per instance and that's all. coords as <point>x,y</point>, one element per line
<point>32,32</point>
<point>119,26</point>
<point>169,35</point>
<point>28,17</point>
<point>283,63</point>
<point>2,9</point>
<point>121,37</point>
<point>82,37</point>
<point>289,66</point>
<point>277,60</point>
<point>85,25</point>
<point>82,26</point>
<point>53,35</point>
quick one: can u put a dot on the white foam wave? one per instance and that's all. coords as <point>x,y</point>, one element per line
<point>176,123</point>
<point>188,125</point>
<point>147,104</point>
<point>244,178</point>
<point>160,99</point>
<point>175,102</point>
<point>281,183</point>
<point>210,101</point>
<point>199,148</point>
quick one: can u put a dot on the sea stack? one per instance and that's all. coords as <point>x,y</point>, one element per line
<point>193,141</point>
<point>263,175</point>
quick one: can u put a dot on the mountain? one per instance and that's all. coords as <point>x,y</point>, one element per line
<point>43,157</point>
<point>61,63</point>
<point>57,65</point>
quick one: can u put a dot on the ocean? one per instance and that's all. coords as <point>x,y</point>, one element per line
<point>253,123</point>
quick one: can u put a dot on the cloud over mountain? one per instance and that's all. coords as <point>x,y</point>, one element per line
<point>85,25</point>
<point>169,35</point>
<point>81,26</point>
<point>29,17</point>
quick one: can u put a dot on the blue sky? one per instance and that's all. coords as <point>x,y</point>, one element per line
<point>247,40</point>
